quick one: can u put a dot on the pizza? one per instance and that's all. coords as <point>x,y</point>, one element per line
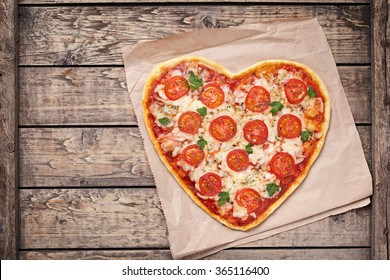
<point>238,144</point>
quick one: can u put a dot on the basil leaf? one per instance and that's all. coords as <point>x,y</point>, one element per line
<point>311,93</point>
<point>305,134</point>
<point>164,121</point>
<point>202,111</point>
<point>201,143</point>
<point>272,189</point>
<point>195,81</point>
<point>223,198</point>
<point>248,148</point>
<point>276,107</point>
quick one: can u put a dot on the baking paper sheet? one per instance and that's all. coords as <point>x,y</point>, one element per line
<point>338,181</point>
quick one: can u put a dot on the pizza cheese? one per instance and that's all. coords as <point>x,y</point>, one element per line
<point>238,144</point>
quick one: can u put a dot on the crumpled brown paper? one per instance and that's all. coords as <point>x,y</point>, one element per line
<point>338,181</point>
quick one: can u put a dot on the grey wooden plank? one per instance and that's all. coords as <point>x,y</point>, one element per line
<point>230,254</point>
<point>381,129</point>
<point>90,95</point>
<point>8,131</point>
<point>82,157</point>
<point>132,218</point>
<point>94,35</point>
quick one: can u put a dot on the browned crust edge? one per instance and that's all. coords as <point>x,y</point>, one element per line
<point>157,71</point>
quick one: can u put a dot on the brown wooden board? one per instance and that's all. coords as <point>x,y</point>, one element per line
<point>230,254</point>
<point>381,128</point>
<point>89,157</point>
<point>8,130</point>
<point>90,95</point>
<point>132,218</point>
<point>85,35</point>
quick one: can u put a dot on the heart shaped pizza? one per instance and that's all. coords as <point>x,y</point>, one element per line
<point>238,144</point>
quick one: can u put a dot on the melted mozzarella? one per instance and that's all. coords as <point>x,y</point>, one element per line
<point>295,148</point>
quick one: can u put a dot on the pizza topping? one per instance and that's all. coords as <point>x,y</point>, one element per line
<point>237,160</point>
<point>272,188</point>
<point>314,107</point>
<point>164,121</point>
<point>201,143</point>
<point>295,91</point>
<point>289,126</point>
<point>190,122</point>
<point>248,148</point>
<point>256,132</point>
<point>223,128</point>
<point>202,111</point>
<point>305,134</point>
<point>223,197</point>
<point>212,96</point>
<point>276,107</point>
<point>249,199</point>
<point>282,164</point>
<point>176,87</point>
<point>258,99</point>
<point>311,93</point>
<point>195,81</point>
<point>210,184</point>
<point>193,155</point>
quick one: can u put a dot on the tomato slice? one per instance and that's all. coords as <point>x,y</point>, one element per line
<point>256,132</point>
<point>176,87</point>
<point>238,160</point>
<point>258,99</point>
<point>282,164</point>
<point>212,96</point>
<point>190,122</point>
<point>193,155</point>
<point>210,184</point>
<point>249,199</point>
<point>295,90</point>
<point>289,126</point>
<point>223,128</point>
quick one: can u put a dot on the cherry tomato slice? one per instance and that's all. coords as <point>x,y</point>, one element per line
<point>256,132</point>
<point>249,199</point>
<point>289,126</point>
<point>176,87</point>
<point>223,128</point>
<point>212,96</point>
<point>295,90</point>
<point>210,184</point>
<point>193,155</point>
<point>237,160</point>
<point>282,164</point>
<point>190,122</point>
<point>258,99</point>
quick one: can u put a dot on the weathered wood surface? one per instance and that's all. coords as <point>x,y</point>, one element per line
<point>231,254</point>
<point>94,35</point>
<point>381,128</point>
<point>8,130</point>
<point>52,157</point>
<point>32,2</point>
<point>89,95</point>
<point>117,218</point>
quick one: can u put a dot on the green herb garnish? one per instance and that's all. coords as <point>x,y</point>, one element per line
<point>223,198</point>
<point>305,134</point>
<point>276,107</point>
<point>201,143</point>
<point>272,188</point>
<point>195,81</point>
<point>164,121</point>
<point>311,93</point>
<point>248,148</point>
<point>202,111</point>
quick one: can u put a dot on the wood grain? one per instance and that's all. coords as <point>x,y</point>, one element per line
<point>94,35</point>
<point>381,129</point>
<point>90,95</point>
<point>8,131</point>
<point>230,254</point>
<point>82,157</point>
<point>116,218</point>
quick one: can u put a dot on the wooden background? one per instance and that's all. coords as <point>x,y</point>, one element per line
<point>75,183</point>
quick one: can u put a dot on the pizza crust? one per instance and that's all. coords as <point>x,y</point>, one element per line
<point>159,69</point>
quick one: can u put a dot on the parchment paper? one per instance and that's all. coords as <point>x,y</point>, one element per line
<point>338,181</point>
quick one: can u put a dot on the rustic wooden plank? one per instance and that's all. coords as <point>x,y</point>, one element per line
<point>8,131</point>
<point>90,95</point>
<point>85,35</point>
<point>32,2</point>
<point>116,218</point>
<point>230,254</point>
<point>83,157</point>
<point>74,157</point>
<point>381,129</point>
